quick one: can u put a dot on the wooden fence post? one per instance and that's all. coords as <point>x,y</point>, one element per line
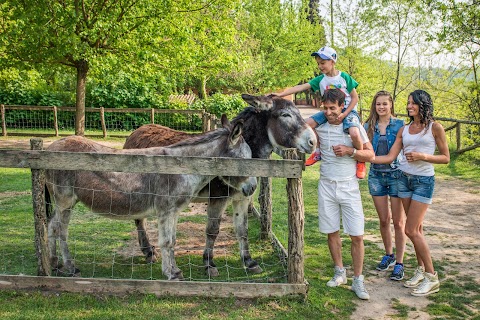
<point>55,120</point>
<point>296,220</point>
<point>40,215</point>
<point>152,116</point>
<point>4,123</point>
<point>212,122</point>
<point>102,121</point>
<point>265,202</point>
<point>205,122</point>
<point>458,133</point>
<point>209,123</point>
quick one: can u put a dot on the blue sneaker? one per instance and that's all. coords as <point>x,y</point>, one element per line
<point>397,273</point>
<point>386,263</point>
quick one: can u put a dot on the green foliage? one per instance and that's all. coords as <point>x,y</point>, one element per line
<point>123,91</point>
<point>464,166</point>
<point>29,88</point>
<point>280,41</point>
<point>159,48</point>
<point>460,37</point>
<point>219,104</point>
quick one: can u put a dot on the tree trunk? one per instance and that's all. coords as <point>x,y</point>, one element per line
<point>202,87</point>
<point>331,23</point>
<point>82,70</point>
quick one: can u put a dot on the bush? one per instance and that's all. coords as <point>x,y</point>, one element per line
<point>125,92</point>
<point>20,87</point>
<point>219,104</point>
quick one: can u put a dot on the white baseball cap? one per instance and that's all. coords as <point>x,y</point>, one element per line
<point>326,53</point>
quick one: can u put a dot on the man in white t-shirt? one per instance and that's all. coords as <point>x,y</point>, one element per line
<point>339,192</point>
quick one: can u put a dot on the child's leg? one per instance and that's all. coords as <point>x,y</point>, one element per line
<point>352,124</point>
<point>357,142</point>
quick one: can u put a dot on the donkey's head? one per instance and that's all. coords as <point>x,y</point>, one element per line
<point>285,126</point>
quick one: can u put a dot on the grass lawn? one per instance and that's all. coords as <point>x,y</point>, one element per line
<point>322,302</point>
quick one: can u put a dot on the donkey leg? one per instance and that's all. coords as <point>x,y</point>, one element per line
<point>68,264</point>
<point>53,226</point>
<point>216,207</point>
<point>240,221</point>
<point>166,241</point>
<point>151,254</point>
<point>58,229</point>
<point>65,200</point>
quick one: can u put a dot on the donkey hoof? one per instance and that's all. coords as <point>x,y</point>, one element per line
<point>76,273</point>
<point>212,272</point>
<point>152,257</point>
<point>64,272</point>
<point>176,276</point>
<point>255,269</point>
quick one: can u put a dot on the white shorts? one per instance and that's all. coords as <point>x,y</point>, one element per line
<point>343,199</point>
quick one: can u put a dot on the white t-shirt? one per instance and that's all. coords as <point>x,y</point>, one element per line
<point>332,167</point>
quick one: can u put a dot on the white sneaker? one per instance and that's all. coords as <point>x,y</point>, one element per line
<point>339,277</point>
<point>429,285</point>
<point>358,286</point>
<point>414,281</point>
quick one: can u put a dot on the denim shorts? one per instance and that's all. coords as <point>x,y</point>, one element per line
<point>383,183</point>
<point>419,188</point>
<point>351,120</point>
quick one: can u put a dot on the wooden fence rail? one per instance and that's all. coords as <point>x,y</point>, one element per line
<point>39,160</point>
<point>207,118</point>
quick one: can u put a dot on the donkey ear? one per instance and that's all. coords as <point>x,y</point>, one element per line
<point>259,102</point>
<point>236,132</point>
<point>225,122</point>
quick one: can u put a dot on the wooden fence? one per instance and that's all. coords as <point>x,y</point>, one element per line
<point>38,160</point>
<point>457,126</point>
<point>53,114</point>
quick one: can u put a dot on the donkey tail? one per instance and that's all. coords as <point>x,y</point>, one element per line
<point>48,203</point>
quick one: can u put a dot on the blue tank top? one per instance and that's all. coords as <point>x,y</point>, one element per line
<point>382,150</point>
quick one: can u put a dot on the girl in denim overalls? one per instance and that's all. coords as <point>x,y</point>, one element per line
<point>382,128</point>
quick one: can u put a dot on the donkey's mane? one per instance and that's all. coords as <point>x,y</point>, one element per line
<point>194,140</point>
<point>246,114</point>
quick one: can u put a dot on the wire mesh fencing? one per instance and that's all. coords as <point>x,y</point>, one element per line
<point>105,248</point>
<point>28,120</point>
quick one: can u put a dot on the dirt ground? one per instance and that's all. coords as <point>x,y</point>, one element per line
<point>452,227</point>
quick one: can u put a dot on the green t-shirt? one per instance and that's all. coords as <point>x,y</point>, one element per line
<point>342,81</point>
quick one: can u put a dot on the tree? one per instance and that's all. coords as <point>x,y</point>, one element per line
<point>280,39</point>
<point>79,33</point>
<point>461,33</point>
<point>313,13</point>
<point>400,28</point>
<point>214,43</point>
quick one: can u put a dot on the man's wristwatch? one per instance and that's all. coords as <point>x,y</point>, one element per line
<point>353,153</point>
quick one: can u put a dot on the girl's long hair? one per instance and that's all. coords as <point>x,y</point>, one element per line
<point>425,107</point>
<point>373,117</point>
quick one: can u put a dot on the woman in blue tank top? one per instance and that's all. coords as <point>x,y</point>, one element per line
<point>382,128</point>
<point>418,139</point>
